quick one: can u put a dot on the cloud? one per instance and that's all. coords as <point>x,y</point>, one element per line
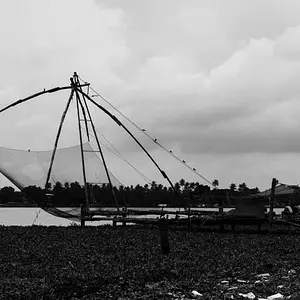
<point>44,44</point>
<point>207,78</point>
<point>246,104</point>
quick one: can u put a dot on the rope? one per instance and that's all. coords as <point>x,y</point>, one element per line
<point>36,216</point>
<point>119,123</point>
<point>183,162</point>
<point>117,153</point>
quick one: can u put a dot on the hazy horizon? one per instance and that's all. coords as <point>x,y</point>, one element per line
<point>216,82</point>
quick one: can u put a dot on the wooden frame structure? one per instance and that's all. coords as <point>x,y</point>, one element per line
<point>84,115</point>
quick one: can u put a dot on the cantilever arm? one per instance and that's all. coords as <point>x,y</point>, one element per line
<point>53,90</point>
<point>127,130</point>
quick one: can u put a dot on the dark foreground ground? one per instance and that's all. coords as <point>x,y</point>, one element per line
<point>126,263</point>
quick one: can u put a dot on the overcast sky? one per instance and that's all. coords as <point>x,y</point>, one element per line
<point>218,82</point>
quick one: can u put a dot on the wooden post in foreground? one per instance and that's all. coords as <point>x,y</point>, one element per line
<point>82,215</point>
<point>272,196</point>
<point>164,239</point>
<point>221,213</point>
<point>221,206</point>
<point>124,215</point>
<point>189,218</point>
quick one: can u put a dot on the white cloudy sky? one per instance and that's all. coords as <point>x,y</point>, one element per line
<point>216,81</point>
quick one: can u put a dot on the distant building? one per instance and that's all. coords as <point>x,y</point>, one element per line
<point>284,195</point>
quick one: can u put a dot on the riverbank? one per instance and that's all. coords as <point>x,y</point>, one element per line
<point>126,263</point>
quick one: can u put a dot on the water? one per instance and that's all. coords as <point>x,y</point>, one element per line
<point>27,216</point>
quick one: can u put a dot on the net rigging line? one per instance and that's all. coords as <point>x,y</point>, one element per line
<point>36,216</point>
<point>115,151</point>
<point>119,123</point>
<point>126,161</point>
<point>121,156</point>
<point>183,162</point>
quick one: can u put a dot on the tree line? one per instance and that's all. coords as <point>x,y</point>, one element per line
<point>153,194</point>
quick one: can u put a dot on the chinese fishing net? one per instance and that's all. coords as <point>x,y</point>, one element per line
<point>28,168</point>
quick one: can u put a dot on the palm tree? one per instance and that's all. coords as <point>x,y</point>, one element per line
<point>153,185</point>
<point>243,188</point>
<point>232,187</point>
<point>187,186</point>
<point>58,188</point>
<point>215,183</point>
<point>192,186</point>
<point>182,183</point>
<point>176,187</point>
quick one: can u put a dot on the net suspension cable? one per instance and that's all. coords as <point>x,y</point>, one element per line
<point>155,140</point>
<point>102,144</point>
<point>111,148</point>
<point>170,152</point>
<point>118,153</point>
<point>133,137</point>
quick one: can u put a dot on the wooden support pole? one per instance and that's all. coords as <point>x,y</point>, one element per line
<point>76,80</point>
<point>124,215</point>
<point>189,218</point>
<point>82,223</point>
<point>84,207</point>
<point>221,209</point>
<point>221,214</point>
<point>164,239</point>
<point>271,201</point>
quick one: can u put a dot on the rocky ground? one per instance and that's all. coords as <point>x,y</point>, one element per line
<point>126,263</point>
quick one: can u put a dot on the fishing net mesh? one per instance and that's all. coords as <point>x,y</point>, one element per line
<point>25,168</point>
